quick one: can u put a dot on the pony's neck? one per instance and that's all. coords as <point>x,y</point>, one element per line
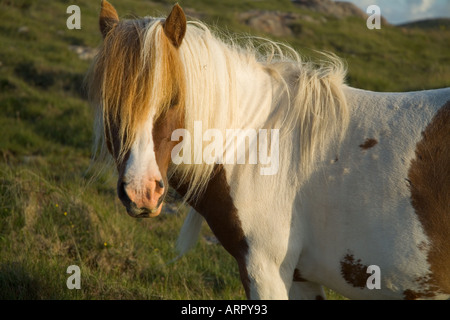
<point>228,87</point>
<point>255,96</point>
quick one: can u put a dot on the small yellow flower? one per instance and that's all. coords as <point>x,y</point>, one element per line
<point>105,244</point>
<point>65,213</point>
<point>56,205</point>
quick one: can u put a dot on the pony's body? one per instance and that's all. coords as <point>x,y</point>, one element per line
<point>353,211</point>
<point>352,188</point>
<point>356,205</point>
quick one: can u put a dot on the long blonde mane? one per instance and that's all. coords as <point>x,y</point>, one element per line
<point>137,70</point>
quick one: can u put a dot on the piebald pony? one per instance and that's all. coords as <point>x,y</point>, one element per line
<point>363,181</point>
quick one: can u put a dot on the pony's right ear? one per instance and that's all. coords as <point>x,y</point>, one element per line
<point>175,25</point>
<point>108,18</point>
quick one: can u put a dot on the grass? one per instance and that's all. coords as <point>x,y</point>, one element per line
<point>54,214</point>
<point>50,223</point>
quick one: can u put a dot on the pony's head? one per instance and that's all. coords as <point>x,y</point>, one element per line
<point>155,75</point>
<point>137,86</point>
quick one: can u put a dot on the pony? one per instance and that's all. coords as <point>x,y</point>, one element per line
<point>360,199</point>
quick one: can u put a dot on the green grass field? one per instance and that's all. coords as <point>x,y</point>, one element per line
<point>56,210</point>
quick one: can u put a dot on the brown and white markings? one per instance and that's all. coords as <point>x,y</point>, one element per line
<point>363,177</point>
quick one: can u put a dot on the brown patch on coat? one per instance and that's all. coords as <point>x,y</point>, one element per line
<point>369,143</point>
<point>426,293</point>
<point>429,176</point>
<point>216,206</point>
<point>354,272</point>
<point>298,277</point>
<point>428,289</point>
<point>410,295</point>
<point>163,127</point>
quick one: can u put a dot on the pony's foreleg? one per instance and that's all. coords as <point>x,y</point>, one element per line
<point>266,283</point>
<point>271,259</point>
<point>270,272</point>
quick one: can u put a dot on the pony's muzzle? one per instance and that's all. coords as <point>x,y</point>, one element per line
<point>142,204</point>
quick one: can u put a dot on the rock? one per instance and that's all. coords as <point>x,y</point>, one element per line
<point>83,52</point>
<point>337,9</point>
<point>272,22</point>
<point>332,8</point>
<point>283,24</point>
<point>23,29</point>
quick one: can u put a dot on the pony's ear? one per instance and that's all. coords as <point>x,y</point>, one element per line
<point>108,18</point>
<point>175,25</point>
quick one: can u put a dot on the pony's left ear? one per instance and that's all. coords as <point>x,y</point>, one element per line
<point>108,18</point>
<point>175,25</point>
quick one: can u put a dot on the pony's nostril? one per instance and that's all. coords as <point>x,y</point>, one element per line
<point>161,183</point>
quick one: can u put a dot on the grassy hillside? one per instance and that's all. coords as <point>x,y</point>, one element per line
<point>54,214</point>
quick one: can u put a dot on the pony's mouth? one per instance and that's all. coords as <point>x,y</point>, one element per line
<point>136,212</point>
<point>142,213</point>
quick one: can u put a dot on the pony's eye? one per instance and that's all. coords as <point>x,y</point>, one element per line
<point>175,100</point>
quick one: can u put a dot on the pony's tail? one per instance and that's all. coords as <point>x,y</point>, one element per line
<point>189,232</point>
